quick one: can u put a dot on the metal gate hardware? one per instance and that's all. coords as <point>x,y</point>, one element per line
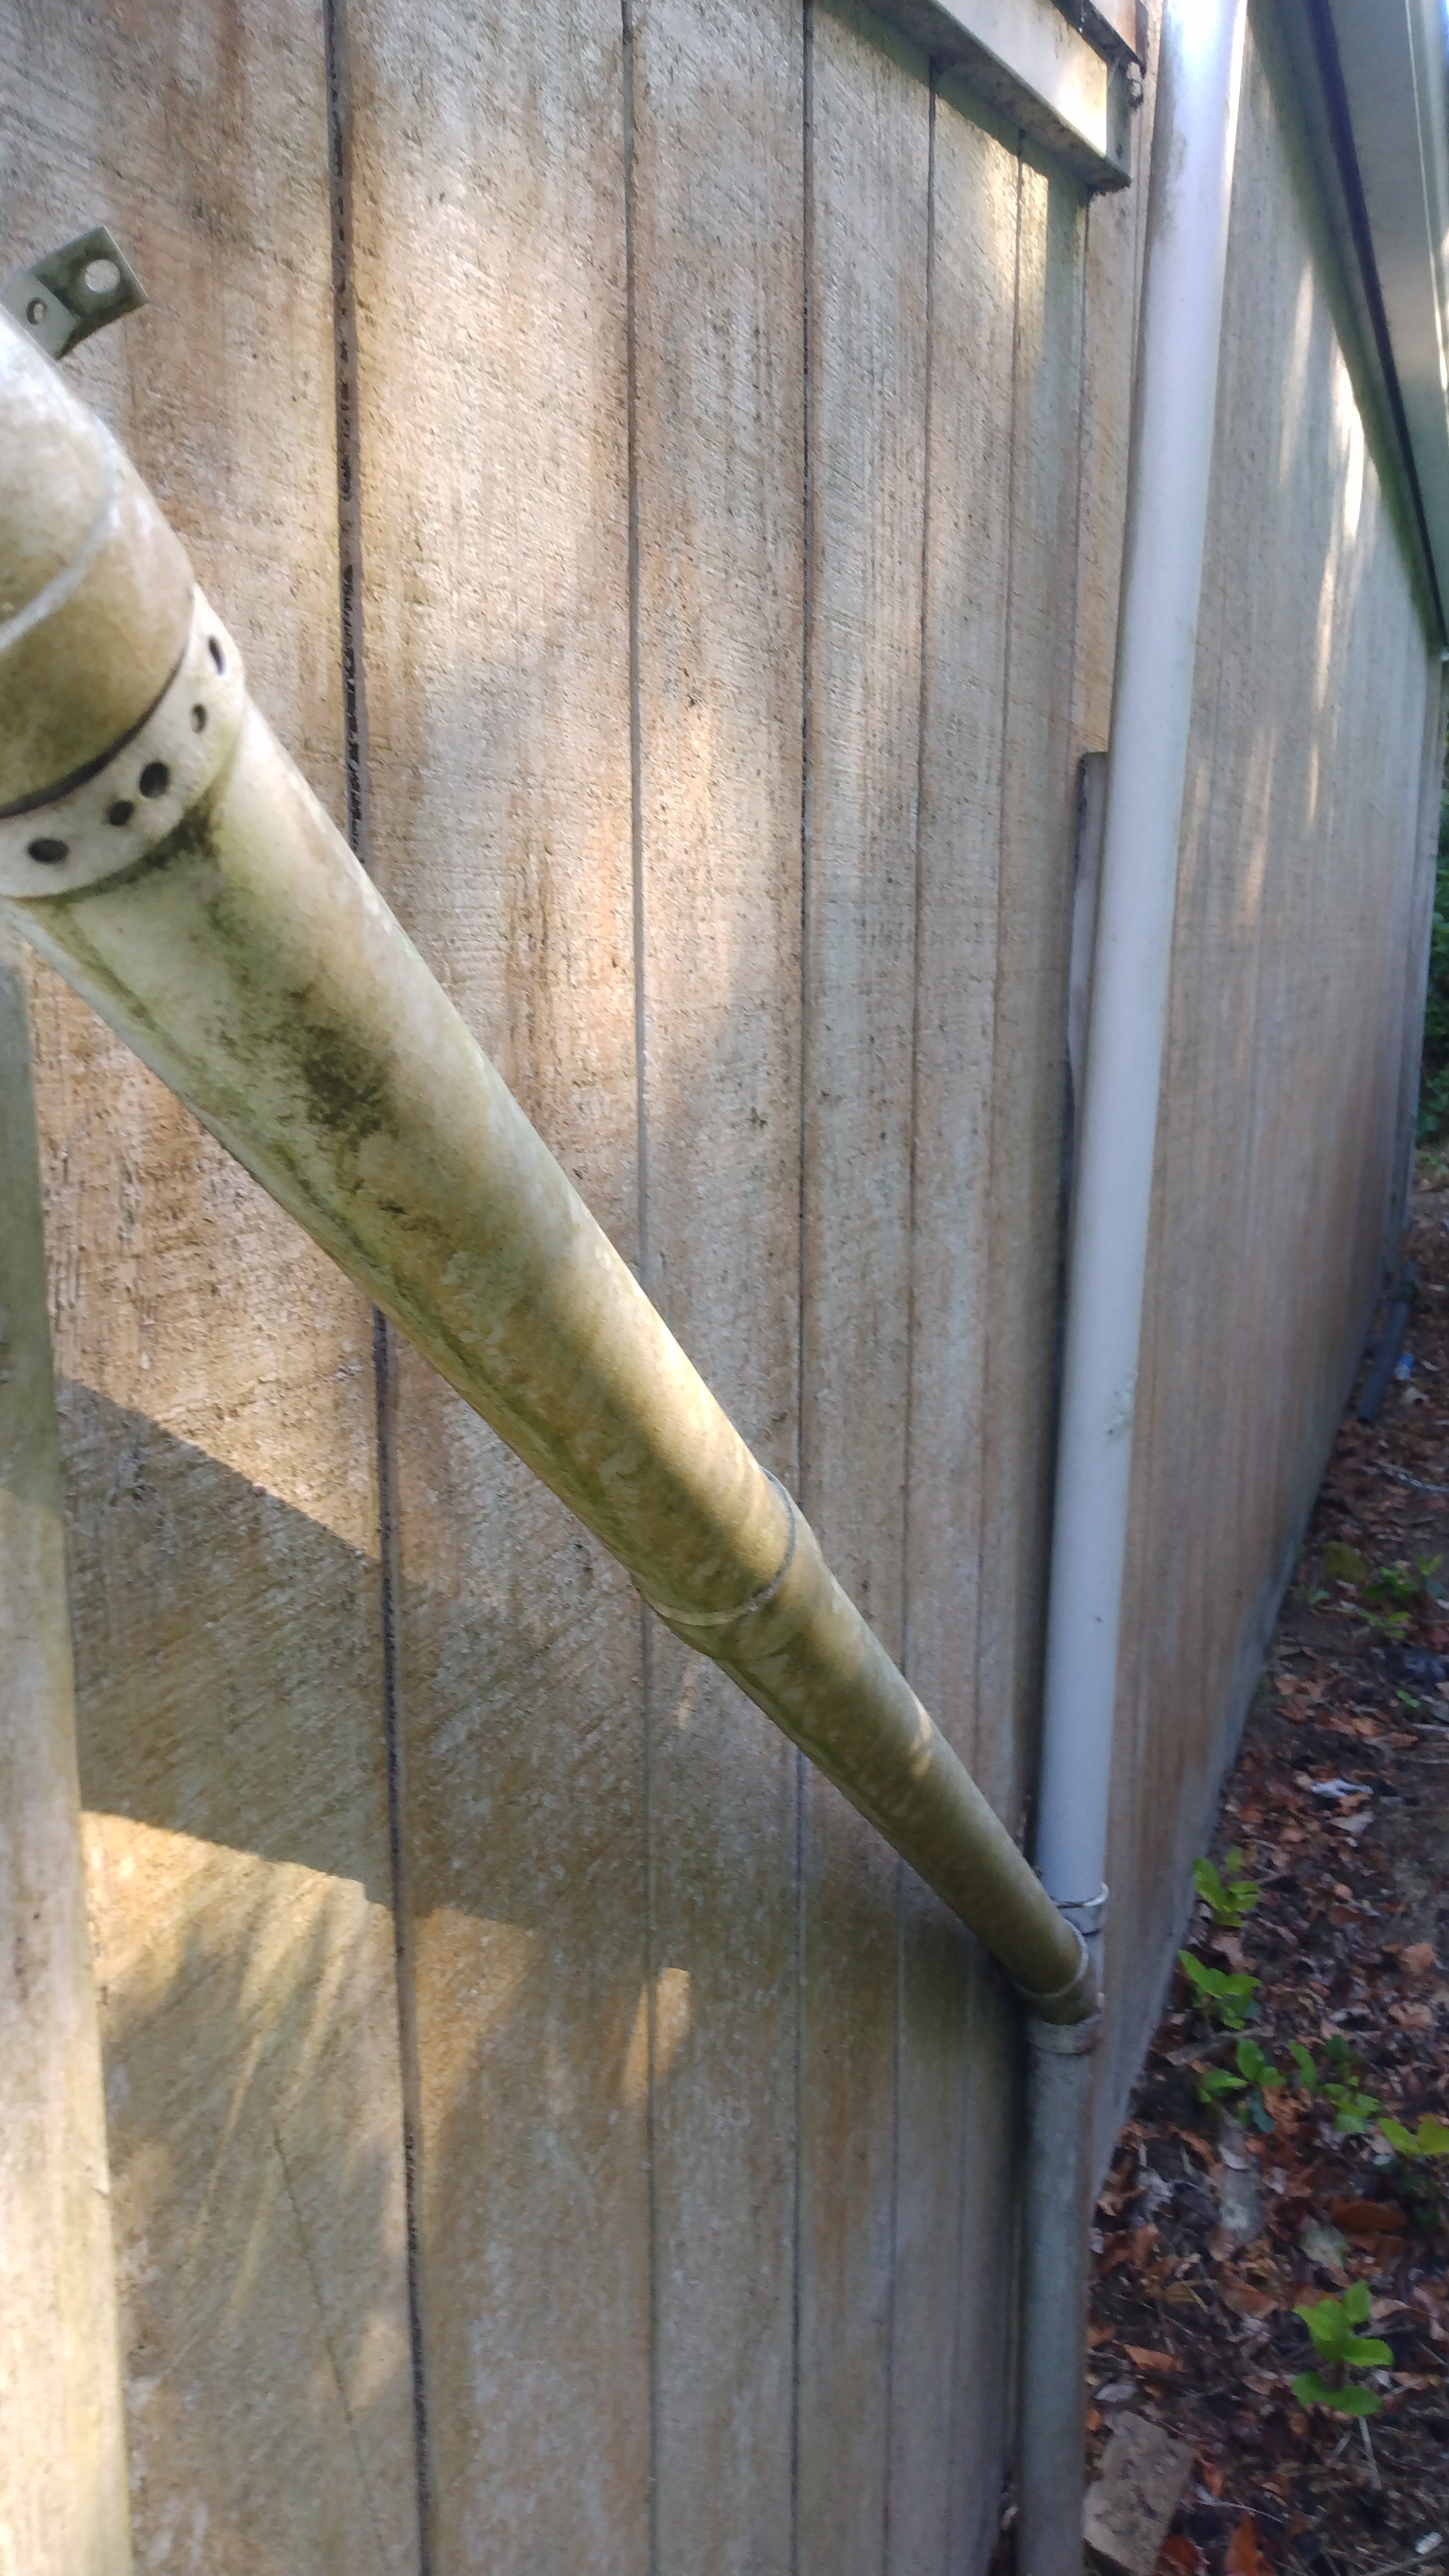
<point>73,291</point>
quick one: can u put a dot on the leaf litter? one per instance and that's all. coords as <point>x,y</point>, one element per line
<point>1287,2139</point>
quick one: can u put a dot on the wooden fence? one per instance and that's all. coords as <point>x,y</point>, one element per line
<point>666,474</point>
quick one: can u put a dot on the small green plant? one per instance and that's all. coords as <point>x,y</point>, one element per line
<point>1404,1586</point>
<point>1226,1999</point>
<point>1217,2082</point>
<point>1392,1625</point>
<point>1261,2077</point>
<point>1256,2076</point>
<point>1353,2109</point>
<point>1393,1593</point>
<point>1339,2347</point>
<point>1417,2146</point>
<point>1229,1898</point>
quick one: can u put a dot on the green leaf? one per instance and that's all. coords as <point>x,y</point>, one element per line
<point>1216,2082</point>
<point>1357,2303</point>
<point>1206,1880</point>
<point>1311,2390</point>
<point>1355,2401</point>
<point>1252,2063</point>
<point>1327,2326</point>
<point>1343,1564</point>
<point>1368,2352</point>
<point>1303,2060</point>
<point>1431,2138</point>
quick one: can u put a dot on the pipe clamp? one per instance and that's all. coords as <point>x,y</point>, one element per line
<point>118,811</point>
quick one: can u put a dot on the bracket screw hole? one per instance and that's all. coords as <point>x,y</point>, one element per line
<point>198,719</point>
<point>120,812</point>
<point>49,853</point>
<point>155,778</point>
<point>102,277</point>
<point>36,309</point>
<point>214,649</point>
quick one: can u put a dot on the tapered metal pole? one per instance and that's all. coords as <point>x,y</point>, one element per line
<point>163,853</point>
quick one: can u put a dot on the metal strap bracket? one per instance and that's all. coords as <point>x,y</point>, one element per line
<point>62,298</point>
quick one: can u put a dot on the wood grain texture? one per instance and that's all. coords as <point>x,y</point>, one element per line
<point>216,1422</point>
<point>63,2503</point>
<point>488,175</point>
<point>949,2362</point>
<point>719,304</point>
<point>1286,1032</point>
<point>1037,804</point>
<point>870,171</point>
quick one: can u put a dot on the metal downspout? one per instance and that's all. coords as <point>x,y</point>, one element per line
<point>1190,187</point>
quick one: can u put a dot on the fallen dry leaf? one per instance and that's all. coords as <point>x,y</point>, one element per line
<point>1242,2298</point>
<point>1198,2145</point>
<point>1244,2557</point>
<point>1369,2218</point>
<point>1161,2364</point>
<point>1182,2557</point>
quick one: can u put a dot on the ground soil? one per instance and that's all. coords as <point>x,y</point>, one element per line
<point>1213,2230</point>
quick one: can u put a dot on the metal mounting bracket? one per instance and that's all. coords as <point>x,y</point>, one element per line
<point>62,298</point>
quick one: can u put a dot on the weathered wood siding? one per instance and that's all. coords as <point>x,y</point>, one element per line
<point>1279,1146</point>
<point>729,473</point>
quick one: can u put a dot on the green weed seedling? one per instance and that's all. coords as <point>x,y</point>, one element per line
<point>1216,2083</point>
<point>1423,2151</point>
<point>1417,2146</point>
<point>1261,2076</point>
<point>1353,2109</point>
<point>1401,1586</point>
<point>1227,2000</point>
<point>1333,2327</point>
<point>1256,2076</point>
<point>1229,1899</point>
<point>1393,1593</point>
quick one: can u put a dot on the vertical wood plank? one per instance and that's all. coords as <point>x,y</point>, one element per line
<point>1033,934</point>
<point>719,192</point>
<point>217,1419</point>
<point>868,359</point>
<point>488,176</point>
<point>63,2504</point>
<point>949,2364</point>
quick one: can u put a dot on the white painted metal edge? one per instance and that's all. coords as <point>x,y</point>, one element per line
<point>1395,60</point>
<point>1038,72</point>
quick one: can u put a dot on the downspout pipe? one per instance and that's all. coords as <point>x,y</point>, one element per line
<point>1189,193</point>
<point>158,847</point>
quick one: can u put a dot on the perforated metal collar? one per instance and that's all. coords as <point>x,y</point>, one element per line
<point>119,812</point>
